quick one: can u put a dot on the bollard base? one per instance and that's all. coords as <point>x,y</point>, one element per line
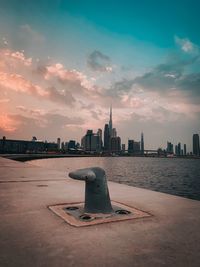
<point>73,214</point>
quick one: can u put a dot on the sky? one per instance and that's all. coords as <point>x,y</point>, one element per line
<point>64,62</point>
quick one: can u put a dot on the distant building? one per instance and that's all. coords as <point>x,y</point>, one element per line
<point>99,132</point>
<point>142,143</point>
<point>63,145</point>
<point>91,142</point>
<point>130,146</point>
<point>185,150</point>
<point>136,147</point>
<point>179,149</point>
<point>58,142</point>
<point>72,144</point>
<point>170,148</point>
<point>196,145</point>
<point>114,132</point>
<point>110,123</point>
<point>123,147</point>
<point>115,144</point>
<point>106,138</point>
<point>23,146</point>
<point>133,147</point>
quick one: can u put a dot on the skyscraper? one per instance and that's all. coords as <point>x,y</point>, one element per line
<point>114,132</point>
<point>130,146</point>
<point>142,143</point>
<point>110,122</point>
<point>185,150</point>
<point>106,138</point>
<point>91,141</point>
<point>99,132</point>
<point>115,144</point>
<point>170,148</point>
<point>196,144</point>
<point>179,149</point>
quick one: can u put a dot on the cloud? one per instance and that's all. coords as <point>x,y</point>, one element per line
<point>36,122</point>
<point>98,61</point>
<point>18,83</point>
<point>185,44</point>
<point>8,124</point>
<point>14,59</point>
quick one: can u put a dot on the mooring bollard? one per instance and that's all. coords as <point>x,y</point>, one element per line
<point>97,199</point>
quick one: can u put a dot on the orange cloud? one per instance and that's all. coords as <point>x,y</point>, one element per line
<point>8,124</point>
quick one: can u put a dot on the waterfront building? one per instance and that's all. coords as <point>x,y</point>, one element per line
<point>136,147</point>
<point>110,123</point>
<point>91,142</point>
<point>115,144</point>
<point>185,150</point>
<point>142,143</point>
<point>196,150</point>
<point>99,132</point>
<point>133,147</point>
<point>179,149</point>
<point>130,146</point>
<point>123,147</point>
<point>72,144</point>
<point>170,148</point>
<point>114,132</point>
<point>58,142</point>
<point>23,146</point>
<point>106,138</point>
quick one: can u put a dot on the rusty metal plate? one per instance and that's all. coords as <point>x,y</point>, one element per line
<point>73,214</point>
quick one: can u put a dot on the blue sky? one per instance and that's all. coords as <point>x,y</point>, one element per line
<point>65,62</point>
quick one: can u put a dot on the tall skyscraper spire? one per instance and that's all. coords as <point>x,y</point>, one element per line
<point>110,122</point>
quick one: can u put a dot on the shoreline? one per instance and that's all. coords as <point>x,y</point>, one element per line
<point>28,157</point>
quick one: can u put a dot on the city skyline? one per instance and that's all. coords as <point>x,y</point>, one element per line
<point>64,64</point>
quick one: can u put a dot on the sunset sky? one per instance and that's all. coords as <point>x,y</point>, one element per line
<point>63,63</point>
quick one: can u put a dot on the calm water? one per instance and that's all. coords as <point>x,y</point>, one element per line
<point>173,176</point>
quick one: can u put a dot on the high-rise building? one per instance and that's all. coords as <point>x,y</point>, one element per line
<point>110,122</point>
<point>123,147</point>
<point>114,132</point>
<point>179,149</point>
<point>58,142</point>
<point>170,148</point>
<point>106,138</point>
<point>136,147</point>
<point>91,141</point>
<point>115,144</point>
<point>130,146</point>
<point>185,150</point>
<point>99,132</point>
<point>196,150</point>
<point>142,143</point>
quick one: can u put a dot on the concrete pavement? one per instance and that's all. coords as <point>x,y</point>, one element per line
<point>32,235</point>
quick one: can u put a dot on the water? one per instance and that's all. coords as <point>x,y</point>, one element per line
<point>173,176</point>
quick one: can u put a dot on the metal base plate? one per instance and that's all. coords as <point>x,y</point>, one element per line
<point>73,213</point>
